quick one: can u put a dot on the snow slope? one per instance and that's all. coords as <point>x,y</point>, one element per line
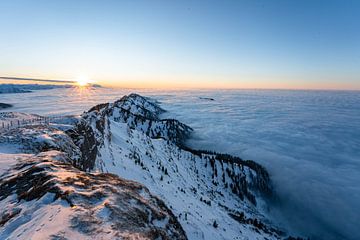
<point>214,196</point>
<point>44,196</point>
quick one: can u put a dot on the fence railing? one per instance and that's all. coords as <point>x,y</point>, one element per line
<point>15,123</point>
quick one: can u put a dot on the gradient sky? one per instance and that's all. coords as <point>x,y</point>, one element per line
<point>207,44</point>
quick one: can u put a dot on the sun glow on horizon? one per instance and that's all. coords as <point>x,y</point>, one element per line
<point>83,81</point>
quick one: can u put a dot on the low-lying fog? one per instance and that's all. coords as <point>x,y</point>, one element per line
<point>308,140</point>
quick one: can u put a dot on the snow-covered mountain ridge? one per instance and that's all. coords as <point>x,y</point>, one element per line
<point>78,177</point>
<point>214,196</point>
<point>45,196</point>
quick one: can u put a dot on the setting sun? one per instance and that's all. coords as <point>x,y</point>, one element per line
<point>82,81</point>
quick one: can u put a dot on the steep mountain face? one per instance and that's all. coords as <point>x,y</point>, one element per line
<point>213,196</point>
<point>43,195</point>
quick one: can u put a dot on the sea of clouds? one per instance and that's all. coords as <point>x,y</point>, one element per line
<point>308,140</point>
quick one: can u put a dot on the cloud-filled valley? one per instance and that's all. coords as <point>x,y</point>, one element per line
<point>308,140</point>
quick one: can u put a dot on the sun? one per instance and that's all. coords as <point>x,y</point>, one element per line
<point>82,81</point>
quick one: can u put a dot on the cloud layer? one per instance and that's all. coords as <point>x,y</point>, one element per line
<point>308,140</point>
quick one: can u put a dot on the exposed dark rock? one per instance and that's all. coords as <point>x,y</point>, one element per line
<point>5,105</point>
<point>99,107</point>
<point>207,98</point>
<point>261,182</point>
<point>84,137</point>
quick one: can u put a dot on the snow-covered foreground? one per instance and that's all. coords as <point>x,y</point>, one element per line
<point>45,195</point>
<point>48,192</point>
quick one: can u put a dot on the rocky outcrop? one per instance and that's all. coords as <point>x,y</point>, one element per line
<point>83,136</point>
<point>137,112</point>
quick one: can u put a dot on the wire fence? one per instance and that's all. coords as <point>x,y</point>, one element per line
<point>15,123</point>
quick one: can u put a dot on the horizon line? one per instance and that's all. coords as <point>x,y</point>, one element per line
<point>181,88</point>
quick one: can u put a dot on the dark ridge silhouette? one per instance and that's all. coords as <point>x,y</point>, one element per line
<point>38,79</point>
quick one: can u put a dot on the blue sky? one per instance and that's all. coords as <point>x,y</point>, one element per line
<point>268,44</point>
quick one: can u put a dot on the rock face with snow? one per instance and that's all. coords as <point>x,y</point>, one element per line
<point>72,184</point>
<point>45,196</point>
<point>214,196</point>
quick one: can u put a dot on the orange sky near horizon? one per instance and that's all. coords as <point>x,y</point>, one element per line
<point>189,82</point>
